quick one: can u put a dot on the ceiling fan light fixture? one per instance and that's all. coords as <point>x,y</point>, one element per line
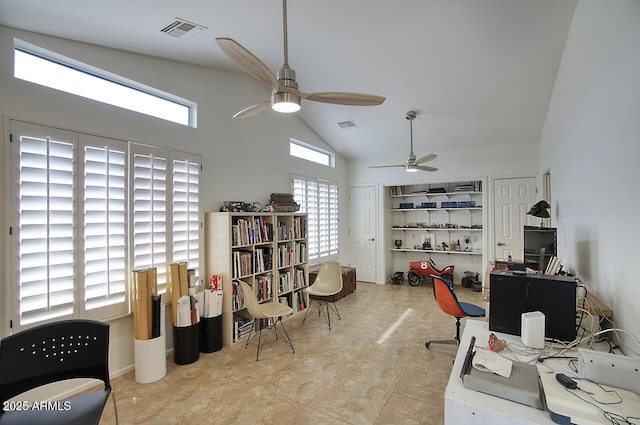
<point>285,102</point>
<point>411,168</point>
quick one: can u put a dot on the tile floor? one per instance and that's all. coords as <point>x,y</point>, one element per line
<point>371,368</point>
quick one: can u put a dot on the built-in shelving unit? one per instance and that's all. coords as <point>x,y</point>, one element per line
<point>266,250</point>
<point>443,221</point>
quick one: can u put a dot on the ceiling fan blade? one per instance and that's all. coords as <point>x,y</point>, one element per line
<point>426,168</point>
<point>426,158</point>
<point>387,166</point>
<point>247,61</point>
<point>253,109</point>
<point>344,98</point>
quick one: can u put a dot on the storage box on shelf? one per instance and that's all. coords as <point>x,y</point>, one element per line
<point>440,220</point>
<point>266,250</point>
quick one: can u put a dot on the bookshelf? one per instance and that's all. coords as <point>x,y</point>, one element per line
<point>266,250</point>
<point>443,221</point>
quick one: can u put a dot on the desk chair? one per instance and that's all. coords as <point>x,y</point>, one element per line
<point>448,302</point>
<point>268,315</point>
<point>56,352</point>
<point>327,283</point>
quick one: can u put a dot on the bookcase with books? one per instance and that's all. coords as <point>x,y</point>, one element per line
<point>441,221</point>
<point>264,249</point>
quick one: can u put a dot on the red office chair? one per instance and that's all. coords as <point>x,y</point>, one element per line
<point>448,302</point>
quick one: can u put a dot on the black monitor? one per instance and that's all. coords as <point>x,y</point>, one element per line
<point>511,294</point>
<point>540,244</point>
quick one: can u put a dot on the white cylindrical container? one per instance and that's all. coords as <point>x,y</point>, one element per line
<point>150,359</point>
<point>532,329</point>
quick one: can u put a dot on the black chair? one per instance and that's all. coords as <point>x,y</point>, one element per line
<point>448,302</point>
<point>51,353</point>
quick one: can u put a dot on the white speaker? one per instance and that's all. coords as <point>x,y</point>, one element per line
<point>532,329</point>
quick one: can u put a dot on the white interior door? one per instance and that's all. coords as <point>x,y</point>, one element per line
<point>363,218</point>
<point>512,198</point>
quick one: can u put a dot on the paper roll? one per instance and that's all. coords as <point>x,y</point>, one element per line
<point>141,306</point>
<point>175,290</point>
<point>184,279</point>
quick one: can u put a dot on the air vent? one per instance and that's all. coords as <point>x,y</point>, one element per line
<point>345,125</point>
<point>180,28</point>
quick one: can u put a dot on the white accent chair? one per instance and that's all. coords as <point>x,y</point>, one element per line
<point>268,315</point>
<point>327,283</point>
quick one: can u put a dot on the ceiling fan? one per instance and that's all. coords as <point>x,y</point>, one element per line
<point>412,163</point>
<point>285,96</point>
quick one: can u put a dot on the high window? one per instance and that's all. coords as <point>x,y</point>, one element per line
<point>85,212</point>
<point>49,69</point>
<point>319,199</point>
<point>310,153</point>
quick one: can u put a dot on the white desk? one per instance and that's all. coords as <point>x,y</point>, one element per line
<point>468,407</point>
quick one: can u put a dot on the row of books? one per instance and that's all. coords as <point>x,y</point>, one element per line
<point>263,259</point>
<point>297,301</point>
<point>263,287</point>
<point>250,232</point>
<point>297,231</point>
<point>290,281</point>
<point>475,186</point>
<point>285,283</point>
<point>285,256</point>
<point>553,266</point>
<point>299,252</point>
<point>241,327</point>
<point>242,263</point>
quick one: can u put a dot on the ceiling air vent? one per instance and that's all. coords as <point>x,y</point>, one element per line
<point>345,125</point>
<point>180,28</point>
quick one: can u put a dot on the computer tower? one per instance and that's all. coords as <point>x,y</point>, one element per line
<point>511,294</point>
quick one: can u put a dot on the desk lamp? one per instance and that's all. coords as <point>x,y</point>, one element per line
<point>540,210</point>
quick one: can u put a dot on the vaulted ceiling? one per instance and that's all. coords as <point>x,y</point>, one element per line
<point>477,72</point>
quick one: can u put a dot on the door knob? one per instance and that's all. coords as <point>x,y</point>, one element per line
<point>501,244</point>
<point>372,239</point>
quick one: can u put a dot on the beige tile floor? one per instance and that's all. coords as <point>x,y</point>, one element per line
<point>371,368</point>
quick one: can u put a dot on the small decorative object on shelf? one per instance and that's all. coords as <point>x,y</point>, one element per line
<point>398,243</point>
<point>283,202</point>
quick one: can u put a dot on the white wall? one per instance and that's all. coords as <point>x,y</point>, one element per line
<point>243,159</point>
<point>515,160</point>
<point>591,145</point>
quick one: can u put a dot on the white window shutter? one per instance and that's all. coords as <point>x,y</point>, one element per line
<point>319,199</point>
<point>104,193</point>
<point>149,221</point>
<point>333,219</point>
<point>186,209</point>
<point>44,211</point>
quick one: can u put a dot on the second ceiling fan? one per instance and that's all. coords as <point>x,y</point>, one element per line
<point>412,163</point>
<point>285,95</point>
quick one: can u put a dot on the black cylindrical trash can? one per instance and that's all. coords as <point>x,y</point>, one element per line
<point>186,344</point>
<point>210,334</point>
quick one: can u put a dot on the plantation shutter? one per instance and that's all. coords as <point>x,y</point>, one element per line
<point>104,190</point>
<point>149,223</point>
<point>43,160</point>
<point>323,219</point>
<point>319,199</point>
<point>186,209</point>
<point>333,219</point>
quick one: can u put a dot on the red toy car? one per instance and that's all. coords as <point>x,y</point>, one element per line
<point>419,270</point>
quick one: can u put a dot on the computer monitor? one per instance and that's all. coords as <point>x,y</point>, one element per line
<point>540,244</point>
<point>511,294</point>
